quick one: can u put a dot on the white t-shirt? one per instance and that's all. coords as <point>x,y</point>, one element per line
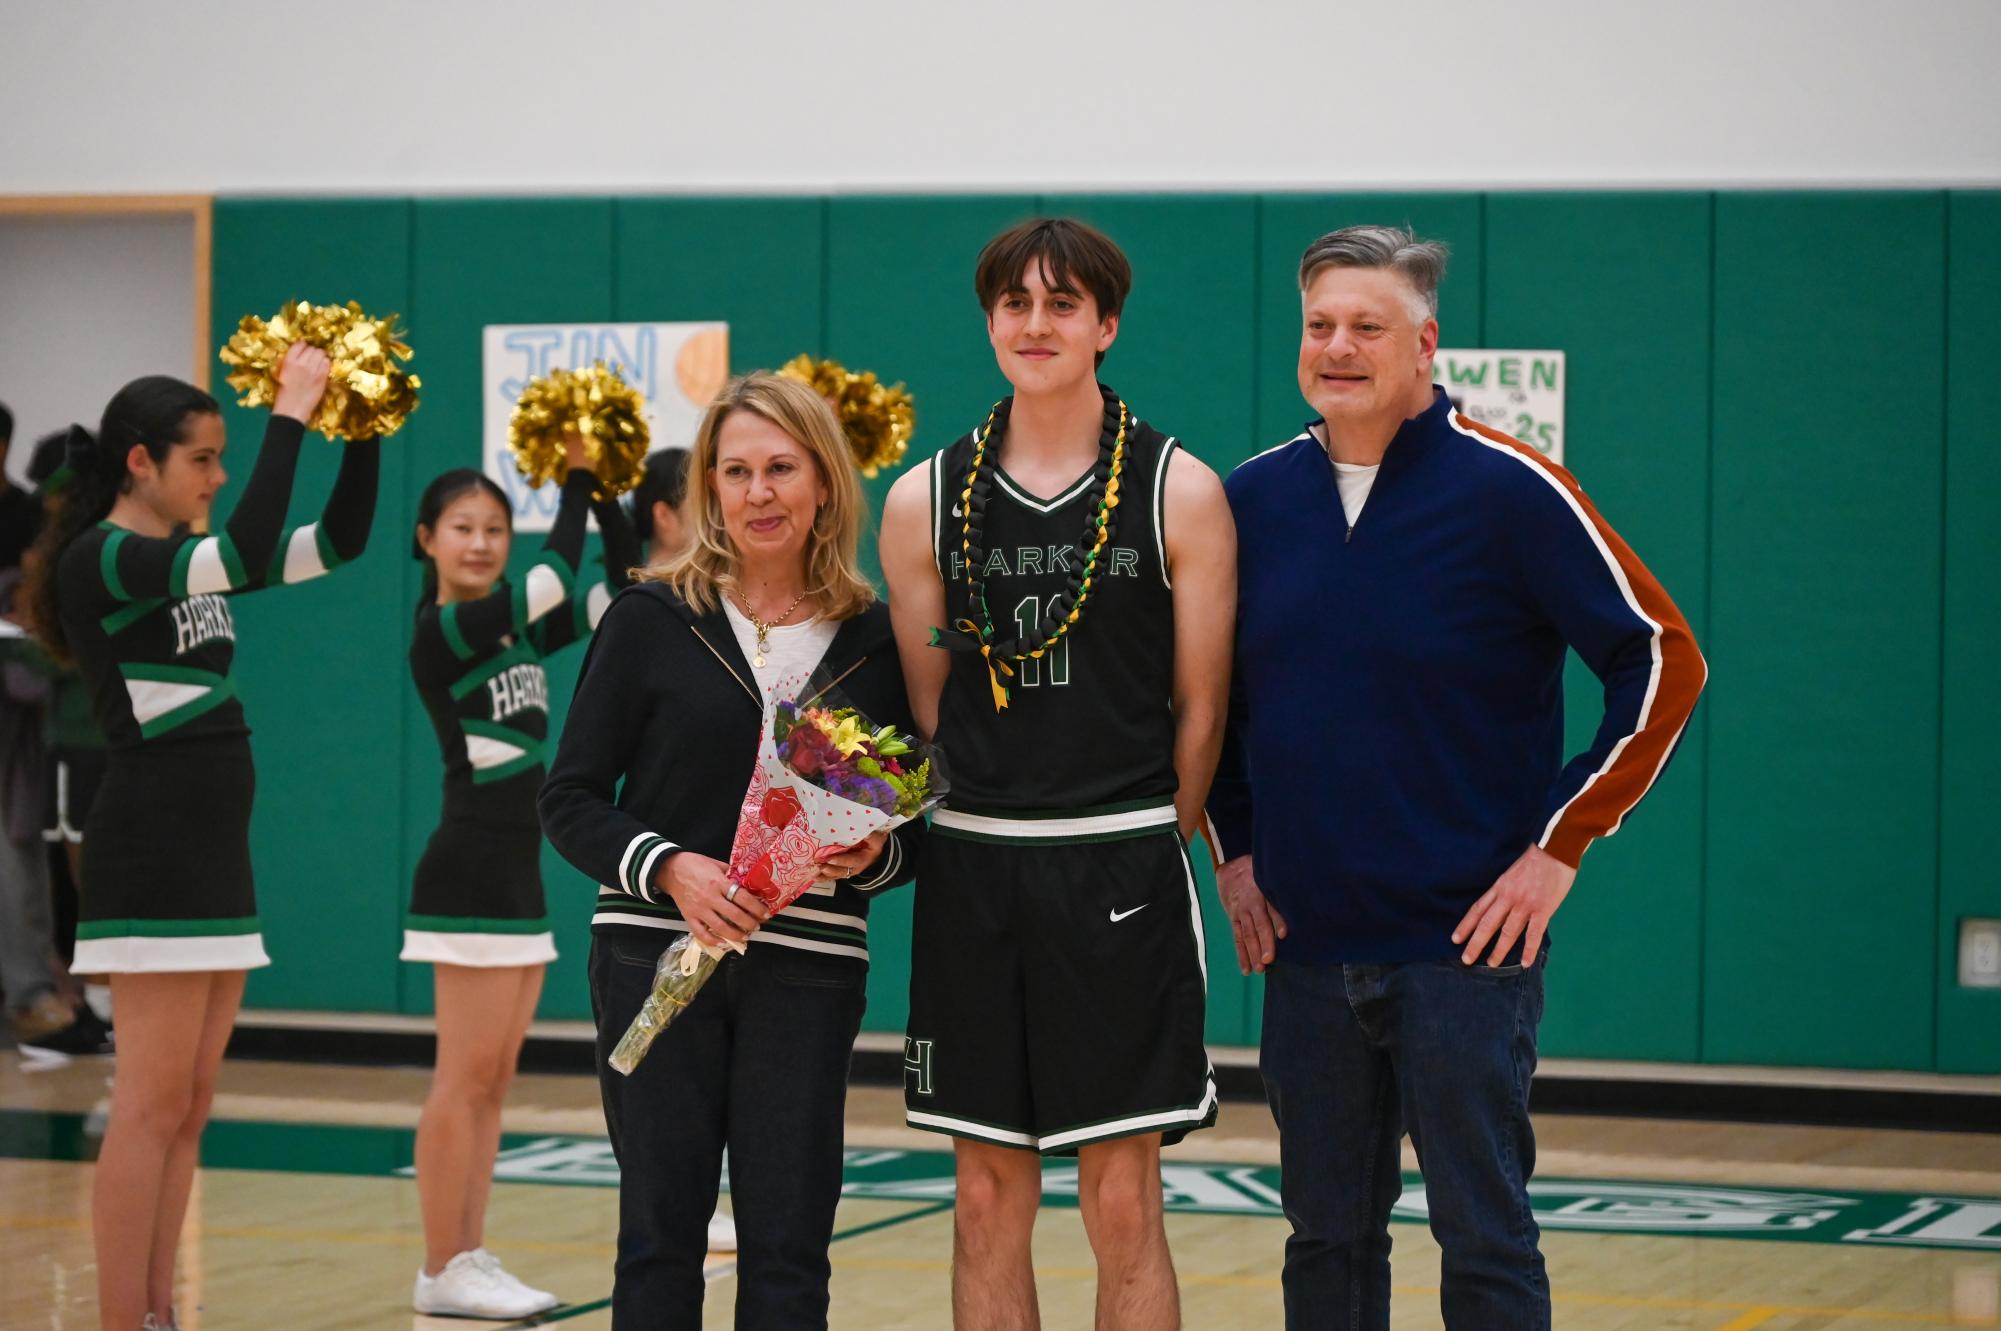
<point>791,651</point>
<point>1354,482</point>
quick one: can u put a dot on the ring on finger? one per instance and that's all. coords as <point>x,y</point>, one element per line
<point>730,896</point>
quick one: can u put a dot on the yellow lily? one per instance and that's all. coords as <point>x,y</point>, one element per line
<point>849,737</point>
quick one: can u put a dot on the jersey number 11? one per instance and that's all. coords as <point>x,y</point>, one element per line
<point>1028,623</point>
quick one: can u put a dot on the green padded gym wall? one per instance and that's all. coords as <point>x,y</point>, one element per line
<point>1620,283</point>
<point>1824,630</point>
<point>322,674</point>
<point>1823,506</point>
<point>479,262</point>
<point>1969,1021</point>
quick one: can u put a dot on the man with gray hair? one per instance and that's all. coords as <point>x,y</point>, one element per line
<point>1395,817</point>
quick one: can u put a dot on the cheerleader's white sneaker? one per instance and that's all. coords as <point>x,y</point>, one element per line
<point>722,1232</point>
<point>467,1287</point>
<point>508,1278</point>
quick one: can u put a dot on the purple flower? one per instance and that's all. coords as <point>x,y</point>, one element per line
<point>868,790</point>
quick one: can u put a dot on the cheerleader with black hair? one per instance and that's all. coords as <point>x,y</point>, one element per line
<point>656,504</point>
<point>476,910</point>
<point>124,586</point>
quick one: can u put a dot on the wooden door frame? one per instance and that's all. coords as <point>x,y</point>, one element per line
<point>198,208</point>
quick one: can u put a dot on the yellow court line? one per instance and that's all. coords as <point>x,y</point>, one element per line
<point>1755,1317</point>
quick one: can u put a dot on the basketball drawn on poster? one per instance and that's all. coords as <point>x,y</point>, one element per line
<point>1519,393</point>
<point>677,367</point>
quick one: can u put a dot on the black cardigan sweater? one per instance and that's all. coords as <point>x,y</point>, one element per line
<point>667,705</point>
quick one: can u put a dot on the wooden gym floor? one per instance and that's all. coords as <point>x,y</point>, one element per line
<point>305,1217</point>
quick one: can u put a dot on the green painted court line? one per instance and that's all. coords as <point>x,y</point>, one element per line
<point>891,1222</point>
<point>1621,1206</point>
<point>558,1315</point>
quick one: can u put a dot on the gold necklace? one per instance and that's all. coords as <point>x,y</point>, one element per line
<point>764,626</point>
<point>976,633</point>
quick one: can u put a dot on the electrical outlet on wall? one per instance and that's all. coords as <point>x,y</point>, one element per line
<point>1980,954</point>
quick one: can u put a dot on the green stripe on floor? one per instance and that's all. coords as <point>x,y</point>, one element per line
<point>1879,1219</point>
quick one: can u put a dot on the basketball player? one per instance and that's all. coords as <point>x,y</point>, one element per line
<point>1077,568</point>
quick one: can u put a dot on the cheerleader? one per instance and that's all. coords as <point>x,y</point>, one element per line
<point>656,505</point>
<point>476,911</point>
<point>124,588</point>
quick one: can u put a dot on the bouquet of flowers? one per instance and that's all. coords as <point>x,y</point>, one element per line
<point>826,779</point>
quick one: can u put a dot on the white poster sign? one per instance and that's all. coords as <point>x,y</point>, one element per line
<point>677,368</point>
<point>1519,393</point>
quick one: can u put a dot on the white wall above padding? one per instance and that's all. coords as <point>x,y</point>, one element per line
<point>62,357</point>
<point>665,95</point>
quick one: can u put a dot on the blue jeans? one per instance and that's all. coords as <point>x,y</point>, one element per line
<point>758,1064</point>
<point>1353,1056</point>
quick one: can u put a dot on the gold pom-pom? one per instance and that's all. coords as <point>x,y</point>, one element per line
<point>594,403</point>
<point>877,418</point>
<point>369,393</point>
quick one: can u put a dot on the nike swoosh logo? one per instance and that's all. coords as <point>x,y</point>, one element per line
<point>956,513</point>
<point>1118,915</point>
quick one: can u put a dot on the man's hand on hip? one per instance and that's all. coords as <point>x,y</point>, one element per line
<point>1256,926</point>
<point>1523,898</point>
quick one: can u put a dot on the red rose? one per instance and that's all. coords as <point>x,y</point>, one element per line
<point>804,759</point>
<point>781,806</point>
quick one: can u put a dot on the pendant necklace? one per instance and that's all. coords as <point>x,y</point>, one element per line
<point>764,626</point>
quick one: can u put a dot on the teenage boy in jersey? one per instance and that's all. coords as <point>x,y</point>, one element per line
<point>1397,820</point>
<point>1078,569</point>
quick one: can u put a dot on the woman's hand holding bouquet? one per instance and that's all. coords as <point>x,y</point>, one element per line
<point>828,789</point>
<point>701,887</point>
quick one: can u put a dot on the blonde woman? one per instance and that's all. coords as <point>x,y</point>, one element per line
<point>670,704</point>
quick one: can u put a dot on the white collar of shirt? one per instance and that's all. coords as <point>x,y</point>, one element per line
<point>1354,481</point>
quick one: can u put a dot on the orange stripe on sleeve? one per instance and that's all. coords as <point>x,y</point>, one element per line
<point>1679,673</point>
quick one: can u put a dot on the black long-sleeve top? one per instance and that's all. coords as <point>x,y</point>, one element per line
<point>658,750</point>
<point>478,664</point>
<point>147,618</point>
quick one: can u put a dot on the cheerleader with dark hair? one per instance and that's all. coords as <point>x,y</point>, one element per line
<point>656,504</point>
<point>476,910</point>
<point>123,585</point>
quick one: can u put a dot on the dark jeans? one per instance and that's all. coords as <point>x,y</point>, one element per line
<point>759,1062</point>
<point>1353,1056</point>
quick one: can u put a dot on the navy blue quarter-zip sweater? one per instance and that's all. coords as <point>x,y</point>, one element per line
<point>1396,724</point>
